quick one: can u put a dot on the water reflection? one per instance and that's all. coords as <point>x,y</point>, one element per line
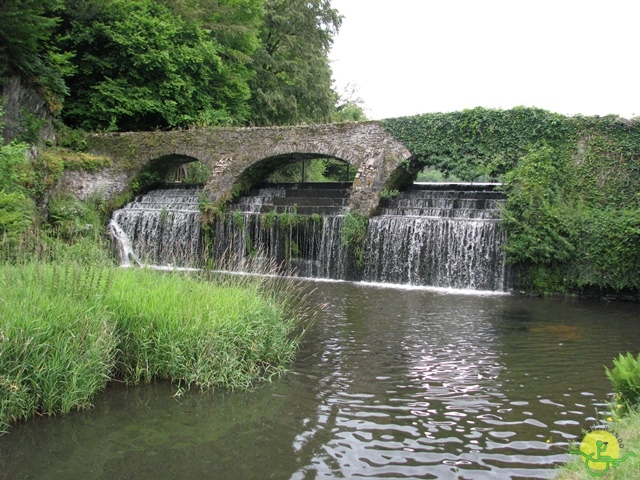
<point>389,383</point>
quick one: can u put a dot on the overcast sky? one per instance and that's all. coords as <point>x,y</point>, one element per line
<point>416,56</point>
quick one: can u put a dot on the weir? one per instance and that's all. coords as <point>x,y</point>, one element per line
<point>441,235</point>
<point>161,227</point>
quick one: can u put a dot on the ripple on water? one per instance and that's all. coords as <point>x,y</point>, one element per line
<point>389,383</point>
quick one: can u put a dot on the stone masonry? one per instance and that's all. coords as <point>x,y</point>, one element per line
<point>230,152</point>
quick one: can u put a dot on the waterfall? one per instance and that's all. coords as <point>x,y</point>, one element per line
<point>296,228</point>
<point>161,227</point>
<point>124,249</point>
<point>307,248</point>
<point>442,235</point>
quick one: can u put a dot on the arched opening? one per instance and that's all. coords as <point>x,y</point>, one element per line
<point>413,173</point>
<point>296,168</point>
<point>432,174</point>
<point>313,170</point>
<point>171,169</point>
<point>190,173</point>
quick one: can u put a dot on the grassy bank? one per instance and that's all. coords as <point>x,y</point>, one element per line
<point>624,426</point>
<point>66,330</point>
<point>628,429</point>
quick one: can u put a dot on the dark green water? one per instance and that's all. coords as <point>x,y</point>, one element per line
<point>390,383</point>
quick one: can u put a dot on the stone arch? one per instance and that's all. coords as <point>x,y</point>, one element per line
<point>403,175</point>
<point>156,170</point>
<point>260,170</point>
<point>367,146</point>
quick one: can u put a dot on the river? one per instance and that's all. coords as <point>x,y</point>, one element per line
<point>389,383</point>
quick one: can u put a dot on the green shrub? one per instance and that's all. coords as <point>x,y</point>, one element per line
<point>17,212</point>
<point>389,193</point>
<point>269,219</point>
<point>73,139</point>
<point>354,234</point>
<point>290,219</point>
<point>625,378</point>
<point>72,160</point>
<point>71,217</point>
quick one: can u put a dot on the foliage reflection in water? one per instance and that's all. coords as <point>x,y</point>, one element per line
<point>390,383</point>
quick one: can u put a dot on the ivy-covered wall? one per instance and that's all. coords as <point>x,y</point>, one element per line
<point>573,184</point>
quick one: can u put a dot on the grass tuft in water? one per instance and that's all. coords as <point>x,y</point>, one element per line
<point>56,339</point>
<point>211,332</point>
<point>66,330</point>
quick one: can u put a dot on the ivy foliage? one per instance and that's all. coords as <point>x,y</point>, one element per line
<point>572,214</point>
<point>479,142</point>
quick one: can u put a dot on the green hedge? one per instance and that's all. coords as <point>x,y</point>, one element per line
<point>573,185</point>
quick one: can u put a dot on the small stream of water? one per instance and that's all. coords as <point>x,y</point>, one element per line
<point>389,383</point>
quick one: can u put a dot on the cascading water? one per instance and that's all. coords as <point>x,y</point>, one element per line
<point>439,235</point>
<point>161,227</point>
<point>296,228</point>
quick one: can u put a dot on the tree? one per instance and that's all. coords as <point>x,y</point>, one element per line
<point>26,27</point>
<point>142,66</point>
<point>349,107</point>
<point>292,82</point>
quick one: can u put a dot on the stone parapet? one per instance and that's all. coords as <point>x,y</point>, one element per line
<point>231,152</point>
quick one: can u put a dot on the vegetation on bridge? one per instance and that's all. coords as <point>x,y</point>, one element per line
<point>573,209</point>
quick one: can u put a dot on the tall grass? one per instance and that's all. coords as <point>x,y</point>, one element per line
<point>203,332</point>
<point>56,343</point>
<point>65,330</point>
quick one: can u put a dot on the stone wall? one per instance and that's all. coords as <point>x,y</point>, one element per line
<point>25,109</point>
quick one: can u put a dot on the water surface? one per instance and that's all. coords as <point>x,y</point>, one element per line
<point>389,383</point>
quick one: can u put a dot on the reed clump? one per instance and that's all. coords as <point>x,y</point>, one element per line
<point>66,330</point>
<point>56,339</point>
<point>206,332</point>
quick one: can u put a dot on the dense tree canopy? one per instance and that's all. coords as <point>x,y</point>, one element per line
<point>293,78</point>
<point>25,47</point>
<point>148,64</point>
<point>141,66</point>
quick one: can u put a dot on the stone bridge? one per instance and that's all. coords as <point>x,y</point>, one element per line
<point>233,153</point>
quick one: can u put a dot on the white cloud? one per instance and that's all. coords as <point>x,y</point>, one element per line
<point>418,56</point>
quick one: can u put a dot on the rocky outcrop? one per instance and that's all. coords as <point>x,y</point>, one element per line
<point>26,114</point>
